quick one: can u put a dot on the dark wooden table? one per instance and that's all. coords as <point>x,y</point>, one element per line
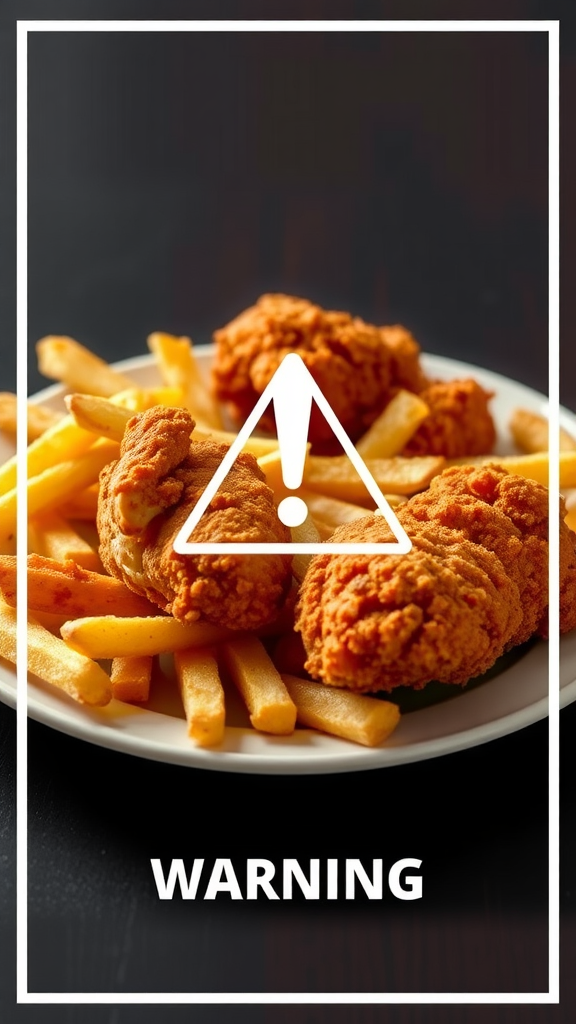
<point>173,179</point>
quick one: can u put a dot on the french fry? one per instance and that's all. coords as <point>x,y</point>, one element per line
<point>178,368</point>
<point>109,636</point>
<point>306,533</point>
<point>109,420</point>
<point>34,542</point>
<point>83,505</point>
<point>51,621</point>
<point>78,368</point>
<point>51,660</point>
<point>130,678</point>
<point>337,477</point>
<point>257,446</point>
<point>99,415</point>
<point>533,467</point>
<point>394,426</point>
<point>40,417</point>
<point>530,432</point>
<point>266,697</point>
<point>70,590</point>
<point>64,440</point>
<point>57,539</point>
<point>352,716</point>
<point>59,483</point>
<point>202,695</point>
<point>270,463</point>
<point>141,399</point>
<point>52,487</point>
<point>332,511</point>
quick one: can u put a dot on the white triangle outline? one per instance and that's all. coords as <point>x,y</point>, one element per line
<point>292,369</point>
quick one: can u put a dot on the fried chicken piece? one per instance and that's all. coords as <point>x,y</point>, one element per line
<point>459,422</point>
<point>357,366</point>
<point>525,504</point>
<point>473,585</point>
<point>146,497</point>
<point>405,371</point>
<point>445,611</point>
<point>346,357</point>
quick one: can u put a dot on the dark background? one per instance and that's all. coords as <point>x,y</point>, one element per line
<point>173,178</point>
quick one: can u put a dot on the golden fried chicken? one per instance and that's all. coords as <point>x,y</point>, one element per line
<point>474,584</point>
<point>405,371</point>
<point>459,422</point>
<point>357,366</point>
<point>146,497</point>
<point>346,357</point>
<point>525,504</point>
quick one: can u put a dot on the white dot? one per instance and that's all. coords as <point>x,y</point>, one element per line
<point>292,511</point>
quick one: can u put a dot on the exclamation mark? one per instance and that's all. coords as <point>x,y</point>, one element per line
<point>292,407</point>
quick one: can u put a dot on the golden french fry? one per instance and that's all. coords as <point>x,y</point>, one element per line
<point>70,590</point>
<point>64,440</point>
<point>325,530</point>
<point>8,509</point>
<point>306,533</point>
<point>332,511</point>
<point>99,415</point>
<point>394,426</point>
<point>533,467</point>
<point>147,398</point>
<point>337,477</point>
<point>40,417</point>
<point>269,704</point>
<point>34,541</point>
<point>51,660</point>
<point>202,695</point>
<point>109,636</point>
<point>257,446</point>
<point>83,505</point>
<point>52,487</point>
<point>108,417</point>
<point>130,678</point>
<point>78,368</point>
<point>270,463</point>
<point>59,483</point>
<point>51,621</point>
<point>57,539</point>
<point>353,716</point>
<point>530,432</point>
<point>178,368</point>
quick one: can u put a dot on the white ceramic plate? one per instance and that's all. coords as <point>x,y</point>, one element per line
<point>515,698</point>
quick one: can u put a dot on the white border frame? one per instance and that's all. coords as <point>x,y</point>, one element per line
<point>168,998</point>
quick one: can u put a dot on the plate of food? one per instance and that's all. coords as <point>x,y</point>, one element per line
<point>271,663</point>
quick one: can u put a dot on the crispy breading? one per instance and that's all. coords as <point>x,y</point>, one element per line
<point>445,611</point>
<point>474,584</point>
<point>405,371</point>
<point>357,366</point>
<point>146,497</point>
<point>525,505</point>
<point>459,422</point>
<point>346,357</point>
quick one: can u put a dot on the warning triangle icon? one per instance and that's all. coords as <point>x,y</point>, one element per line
<point>292,390</point>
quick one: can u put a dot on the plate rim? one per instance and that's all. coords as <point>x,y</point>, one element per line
<point>331,761</point>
